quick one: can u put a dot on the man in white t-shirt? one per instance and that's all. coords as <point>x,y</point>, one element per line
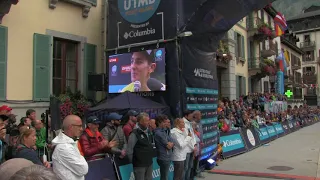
<point>188,164</point>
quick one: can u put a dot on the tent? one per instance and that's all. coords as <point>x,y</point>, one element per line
<point>126,101</point>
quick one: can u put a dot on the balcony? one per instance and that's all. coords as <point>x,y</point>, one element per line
<point>254,66</point>
<point>308,59</point>
<point>296,64</point>
<point>309,77</point>
<point>259,30</point>
<point>269,51</point>
<point>84,4</point>
<point>308,45</point>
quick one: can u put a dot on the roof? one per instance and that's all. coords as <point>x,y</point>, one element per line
<point>305,15</point>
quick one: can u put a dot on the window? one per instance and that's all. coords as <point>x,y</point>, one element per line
<point>240,45</point>
<point>65,66</point>
<point>309,56</point>
<point>262,15</point>
<point>306,38</point>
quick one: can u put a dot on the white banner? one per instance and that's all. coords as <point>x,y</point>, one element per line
<point>275,106</point>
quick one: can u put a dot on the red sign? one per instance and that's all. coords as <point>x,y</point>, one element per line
<point>126,69</point>
<point>111,60</point>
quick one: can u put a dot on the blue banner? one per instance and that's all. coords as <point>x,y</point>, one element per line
<point>126,171</point>
<point>285,127</point>
<point>233,143</point>
<point>272,132</point>
<point>280,83</point>
<point>101,169</point>
<point>263,134</point>
<point>278,127</point>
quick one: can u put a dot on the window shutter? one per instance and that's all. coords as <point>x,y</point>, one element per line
<point>249,85</point>
<point>236,45</point>
<point>242,47</point>
<point>42,55</point>
<point>3,62</point>
<point>89,66</point>
<point>237,87</point>
<point>243,86</point>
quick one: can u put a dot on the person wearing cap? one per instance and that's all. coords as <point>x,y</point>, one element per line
<point>131,124</point>
<point>3,133</point>
<point>92,144</point>
<point>113,132</point>
<point>5,110</point>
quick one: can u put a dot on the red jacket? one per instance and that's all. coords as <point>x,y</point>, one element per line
<point>127,129</point>
<point>90,145</point>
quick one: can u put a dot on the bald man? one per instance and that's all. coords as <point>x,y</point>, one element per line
<point>67,161</point>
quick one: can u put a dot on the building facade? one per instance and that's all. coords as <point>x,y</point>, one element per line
<point>46,47</point>
<point>251,43</point>
<point>306,27</point>
<point>293,78</point>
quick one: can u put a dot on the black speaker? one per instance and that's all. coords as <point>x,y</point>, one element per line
<point>96,82</point>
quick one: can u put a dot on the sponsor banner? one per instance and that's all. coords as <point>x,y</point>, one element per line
<point>291,125</point>
<point>279,129</point>
<point>101,169</point>
<point>285,127</point>
<point>272,132</point>
<point>250,137</point>
<point>275,106</point>
<point>263,134</point>
<point>126,171</point>
<point>233,143</point>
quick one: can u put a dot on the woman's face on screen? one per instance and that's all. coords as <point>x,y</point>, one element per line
<point>140,67</point>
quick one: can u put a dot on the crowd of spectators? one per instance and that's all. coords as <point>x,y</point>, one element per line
<point>135,138</point>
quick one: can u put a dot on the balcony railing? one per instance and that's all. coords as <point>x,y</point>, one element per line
<point>309,77</point>
<point>270,50</point>
<point>254,63</point>
<point>254,23</point>
<point>308,44</point>
<point>308,58</point>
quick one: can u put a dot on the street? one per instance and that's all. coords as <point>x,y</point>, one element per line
<point>295,156</point>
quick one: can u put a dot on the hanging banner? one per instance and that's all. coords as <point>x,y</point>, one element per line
<point>280,83</point>
<point>275,106</point>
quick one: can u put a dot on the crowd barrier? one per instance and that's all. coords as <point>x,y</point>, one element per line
<point>245,139</point>
<point>236,142</point>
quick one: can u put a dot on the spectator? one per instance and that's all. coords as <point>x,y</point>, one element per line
<point>140,148</point>
<point>127,128</point>
<point>13,143</point>
<point>197,128</point>
<point>25,121</point>
<point>67,161</point>
<point>35,172</point>
<point>182,143</point>
<point>164,145</point>
<point>3,133</point>
<point>92,144</point>
<point>41,136</point>
<point>26,150</point>
<point>10,167</point>
<point>31,114</point>
<point>113,132</point>
<point>5,110</point>
<point>152,125</point>
<point>188,117</point>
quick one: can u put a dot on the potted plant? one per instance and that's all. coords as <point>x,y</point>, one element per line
<point>72,103</point>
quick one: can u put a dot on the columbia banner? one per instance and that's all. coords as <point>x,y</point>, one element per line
<point>233,143</point>
<point>263,134</point>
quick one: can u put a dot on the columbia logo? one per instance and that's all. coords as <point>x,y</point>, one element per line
<point>126,35</point>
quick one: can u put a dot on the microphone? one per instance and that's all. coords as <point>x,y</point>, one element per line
<point>136,86</point>
<point>155,85</point>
